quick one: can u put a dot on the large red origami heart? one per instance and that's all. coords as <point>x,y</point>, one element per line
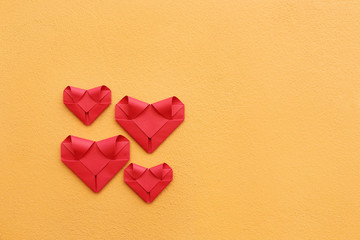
<point>148,183</point>
<point>149,124</point>
<point>87,105</point>
<point>95,163</point>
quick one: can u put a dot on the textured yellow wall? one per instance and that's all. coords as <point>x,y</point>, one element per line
<point>270,145</point>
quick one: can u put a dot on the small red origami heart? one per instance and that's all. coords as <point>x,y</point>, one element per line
<point>148,183</point>
<point>87,105</point>
<point>95,163</point>
<point>149,124</point>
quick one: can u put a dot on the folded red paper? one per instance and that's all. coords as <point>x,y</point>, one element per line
<point>148,182</point>
<point>87,105</point>
<point>149,124</point>
<point>95,163</point>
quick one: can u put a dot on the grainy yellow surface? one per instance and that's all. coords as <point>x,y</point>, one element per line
<point>270,146</point>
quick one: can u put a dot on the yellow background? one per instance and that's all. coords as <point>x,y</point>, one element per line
<point>270,145</point>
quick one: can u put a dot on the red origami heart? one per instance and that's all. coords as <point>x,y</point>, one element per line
<point>149,124</point>
<point>87,105</point>
<point>148,183</point>
<point>95,163</point>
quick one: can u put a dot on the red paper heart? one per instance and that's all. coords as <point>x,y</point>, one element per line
<point>95,163</point>
<point>148,183</point>
<point>149,124</point>
<point>87,105</point>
